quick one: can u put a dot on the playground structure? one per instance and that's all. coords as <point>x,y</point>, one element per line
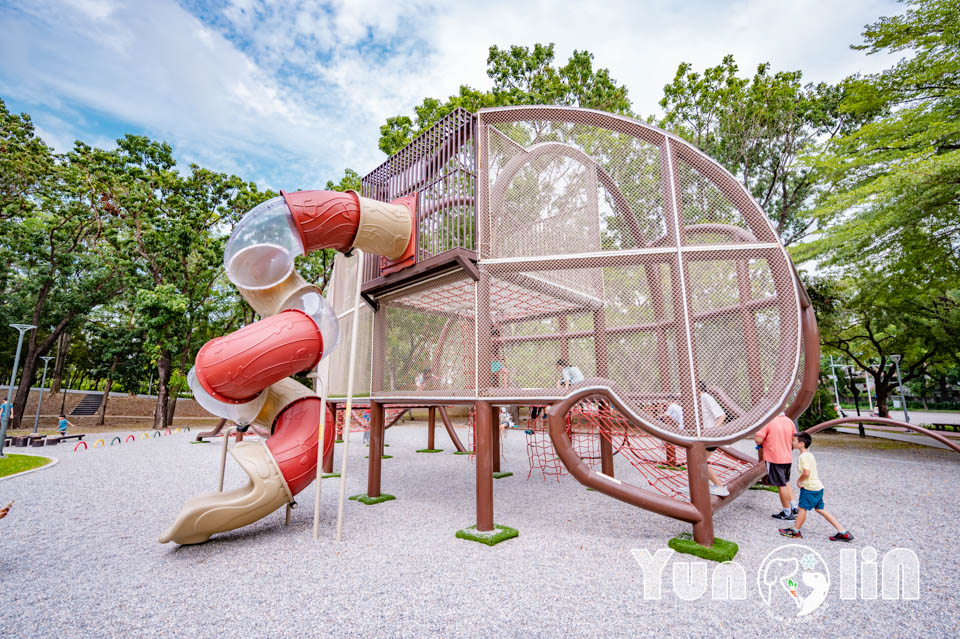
<point>493,247</point>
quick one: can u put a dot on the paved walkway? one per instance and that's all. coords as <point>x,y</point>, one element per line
<point>898,435</point>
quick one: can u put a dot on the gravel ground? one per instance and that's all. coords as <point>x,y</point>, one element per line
<point>79,556</point>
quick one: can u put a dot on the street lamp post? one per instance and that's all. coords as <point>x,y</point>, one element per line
<point>36,420</point>
<point>23,328</point>
<point>903,400</point>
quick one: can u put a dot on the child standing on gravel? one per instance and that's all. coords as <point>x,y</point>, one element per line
<point>811,492</point>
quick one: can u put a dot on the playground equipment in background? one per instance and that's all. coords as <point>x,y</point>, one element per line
<point>516,238</point>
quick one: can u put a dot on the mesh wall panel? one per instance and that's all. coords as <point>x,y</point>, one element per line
<point>562,187</point>
<point>623,250</point>
<point>341,295</point>
<point>427,336</point>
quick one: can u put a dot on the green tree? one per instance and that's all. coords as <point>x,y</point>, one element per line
<point>172,227</point>
<point>891,193</point>
<point>758,128</point>
<point>520,76</point>
<point>866,318</point>
<point>51,232</point>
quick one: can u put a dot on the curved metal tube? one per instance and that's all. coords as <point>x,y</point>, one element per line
<point>886,422</point>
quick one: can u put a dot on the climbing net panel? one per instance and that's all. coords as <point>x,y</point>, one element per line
<point>661,464</point>
<point>541,455</point>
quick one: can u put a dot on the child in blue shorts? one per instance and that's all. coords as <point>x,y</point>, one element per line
<point>811,492</point>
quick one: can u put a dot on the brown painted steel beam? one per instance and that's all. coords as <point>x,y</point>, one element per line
<point>376,446</point>
<point>449,426</point>
<point>484,432</point>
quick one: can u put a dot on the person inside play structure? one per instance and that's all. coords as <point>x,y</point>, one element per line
<point>713,418</point>
<point>426,380</point>
<point>569,375</point>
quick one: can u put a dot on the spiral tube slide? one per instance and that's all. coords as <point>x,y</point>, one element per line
<point>244,376</point>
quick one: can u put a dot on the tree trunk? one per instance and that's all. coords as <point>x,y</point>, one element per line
<point>106,391</point>
<point>62,349</point>
<point>184,355</point>
<point>163,381</point>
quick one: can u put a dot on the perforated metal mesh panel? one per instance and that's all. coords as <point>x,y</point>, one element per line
<point>341,294</point>
<point>625,253</point>
<point>427,336</point>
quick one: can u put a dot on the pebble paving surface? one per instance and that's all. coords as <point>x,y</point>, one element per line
<point>79,555</point>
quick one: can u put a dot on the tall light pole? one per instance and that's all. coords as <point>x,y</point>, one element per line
<point>23,328</point>
<point>36,420</point>
<point>833,376</point>
<point>903,400</point>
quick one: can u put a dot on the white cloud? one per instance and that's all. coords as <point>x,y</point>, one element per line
<point>291,94</point>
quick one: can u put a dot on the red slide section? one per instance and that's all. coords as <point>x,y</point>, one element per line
<point>326,219</point>
<point>294,442</point>
<point>236,367</point>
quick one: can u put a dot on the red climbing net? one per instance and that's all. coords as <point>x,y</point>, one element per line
<point>661,464</point>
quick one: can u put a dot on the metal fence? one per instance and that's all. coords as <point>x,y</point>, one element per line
<point>440,166</point>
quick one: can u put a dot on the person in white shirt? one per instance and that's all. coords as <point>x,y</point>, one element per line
<point>713,418</point>
<point>569,375</point>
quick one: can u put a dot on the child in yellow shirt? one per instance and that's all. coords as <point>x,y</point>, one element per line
<point>811,492</point>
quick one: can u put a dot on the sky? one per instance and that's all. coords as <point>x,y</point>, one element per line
<point>289,94</point>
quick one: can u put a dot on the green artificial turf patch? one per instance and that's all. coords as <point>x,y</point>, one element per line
<point>381,457</point>
<point>772,489</point>
<point>14,464</point>
<point>370,501</point>
<point>722,550</point>
<point>490,538</point>
<point>463,452</point>
<point>430,450</point>
<point>502,475</point>
<point>329,475</point>
<point>669,467</point>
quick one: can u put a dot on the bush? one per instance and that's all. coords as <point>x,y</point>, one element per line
<point>821,410</point>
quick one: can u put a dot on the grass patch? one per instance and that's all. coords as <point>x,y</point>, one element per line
<point>502,475</point>
<point>490,538</point>
<point>463,452</point>
<point>329,475</point>
<point>200,442</point>
<point>430,450</point>
<point>338,441</point>
<point>381,457</point>
<point>772,489</point>
<point>669,467</point>
<point>370,501</point>
<point>14,464</point>
<point>591,489</point>
<point>722,550</point>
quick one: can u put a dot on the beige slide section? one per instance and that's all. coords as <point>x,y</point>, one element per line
<point>384,228</point>
<point>211,513</point>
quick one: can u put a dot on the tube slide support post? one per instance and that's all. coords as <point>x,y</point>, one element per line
<point>700,493</point>
<point>484,432</point>
<point>431,425</point>
<point>376,448</point>
<point>223,459</point>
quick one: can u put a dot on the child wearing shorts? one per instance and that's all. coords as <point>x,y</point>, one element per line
<point>811,492</point>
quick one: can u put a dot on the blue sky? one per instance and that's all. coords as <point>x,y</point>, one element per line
<point>288,94</point>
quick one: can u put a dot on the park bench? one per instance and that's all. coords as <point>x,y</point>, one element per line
<point>27,440</point>
<point>66,437</point>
